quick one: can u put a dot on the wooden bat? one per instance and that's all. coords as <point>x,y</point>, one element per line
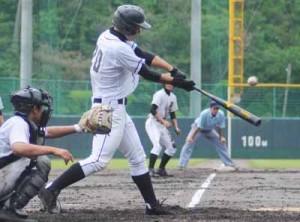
<point>236,110</point>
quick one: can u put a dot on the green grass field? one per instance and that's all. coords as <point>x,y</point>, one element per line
<point>274,164</point>
<point>253,163</point>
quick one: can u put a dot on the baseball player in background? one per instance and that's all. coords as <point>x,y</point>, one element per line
<point>1,114</point>
<point>117,65</point>
<point>24,166</point>
<point>209,124</point>
<point>164,103</point>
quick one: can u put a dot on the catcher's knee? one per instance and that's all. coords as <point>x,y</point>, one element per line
<point>43,166</point>
<point>28,187</point>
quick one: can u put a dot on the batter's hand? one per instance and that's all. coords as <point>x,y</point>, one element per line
<point>187,85</point>
<point>189,139</point>
<point>178,73</point>
<point>177,131</point>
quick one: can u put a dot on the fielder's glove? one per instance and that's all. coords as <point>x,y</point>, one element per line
<point>178,73</point>
<point>97,120</point>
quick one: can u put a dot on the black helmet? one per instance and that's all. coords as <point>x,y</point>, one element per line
<point>23,101</point>
<point>127,18</point>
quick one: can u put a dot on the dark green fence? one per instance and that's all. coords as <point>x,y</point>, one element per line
<point>275,138</point>
<point>74,97</point>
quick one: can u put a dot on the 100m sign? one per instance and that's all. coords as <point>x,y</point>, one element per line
<point>254,141</point>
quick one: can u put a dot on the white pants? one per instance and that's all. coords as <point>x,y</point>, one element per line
<point>124,137</point>
<point>160,137</point>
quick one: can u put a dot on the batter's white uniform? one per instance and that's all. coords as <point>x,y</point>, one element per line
<point>114,76</point>
<point>157,132</point>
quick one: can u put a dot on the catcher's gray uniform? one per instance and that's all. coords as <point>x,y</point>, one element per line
<point>22,177</point>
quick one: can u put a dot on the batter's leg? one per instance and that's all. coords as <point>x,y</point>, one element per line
<point>104,147</point>
<point>132,149</point>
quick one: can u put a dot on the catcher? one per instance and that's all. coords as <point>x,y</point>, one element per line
<point>24,166</point>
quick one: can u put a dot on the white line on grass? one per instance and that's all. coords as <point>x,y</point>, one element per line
<point>197,196</point>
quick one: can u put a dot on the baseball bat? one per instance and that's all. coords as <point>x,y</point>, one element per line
<point>238,111</point>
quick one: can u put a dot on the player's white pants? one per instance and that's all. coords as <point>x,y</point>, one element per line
<point>160,137</point>
<point>124,137</point>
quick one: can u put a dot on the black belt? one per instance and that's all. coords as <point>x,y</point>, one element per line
<point>120,101</point>
<point>4,161</point>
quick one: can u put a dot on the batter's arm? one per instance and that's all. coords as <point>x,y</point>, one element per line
<point>153,60</point>
<point>153,76</point>
<point>162,64</point>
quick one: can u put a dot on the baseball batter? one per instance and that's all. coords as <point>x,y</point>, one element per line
<point>116,67</point>
<point>164,103</point>
<point>209,124</point>
<point>24,166</point>
<point>1,114</point>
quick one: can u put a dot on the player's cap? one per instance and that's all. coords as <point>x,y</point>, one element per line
<point>214,104</point>
<point>128,18</point>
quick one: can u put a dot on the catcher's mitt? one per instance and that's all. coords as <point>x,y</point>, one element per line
<point>97,120</point>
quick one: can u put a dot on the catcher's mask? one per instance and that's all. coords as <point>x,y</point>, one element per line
<point>25,99</point>
<point>129,18</point>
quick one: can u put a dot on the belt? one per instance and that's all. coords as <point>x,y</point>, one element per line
<point>4,161</point>
<point>120,101</point>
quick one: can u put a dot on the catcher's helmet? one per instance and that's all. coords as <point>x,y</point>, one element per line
<point>128,18</point>
<point>25,99</point>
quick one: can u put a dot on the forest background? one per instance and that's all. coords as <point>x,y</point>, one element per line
<point>65,33</point>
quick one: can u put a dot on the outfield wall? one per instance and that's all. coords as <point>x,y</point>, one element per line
<point>275,138</point>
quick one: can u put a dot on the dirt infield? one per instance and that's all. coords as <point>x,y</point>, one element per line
<point>233,196</point>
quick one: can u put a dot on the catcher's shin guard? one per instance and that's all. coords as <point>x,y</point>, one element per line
<point>29,183</point>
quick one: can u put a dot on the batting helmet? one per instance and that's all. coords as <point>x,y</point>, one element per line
<point>128,18</point>
<point>25,99</point>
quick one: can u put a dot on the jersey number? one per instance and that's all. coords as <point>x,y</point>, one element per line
<point>98,56</point>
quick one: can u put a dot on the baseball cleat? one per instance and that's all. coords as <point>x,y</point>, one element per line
<point>163,173</point>
<point>226,169</point>
<point>49,201</point>
<point>156,209</point>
